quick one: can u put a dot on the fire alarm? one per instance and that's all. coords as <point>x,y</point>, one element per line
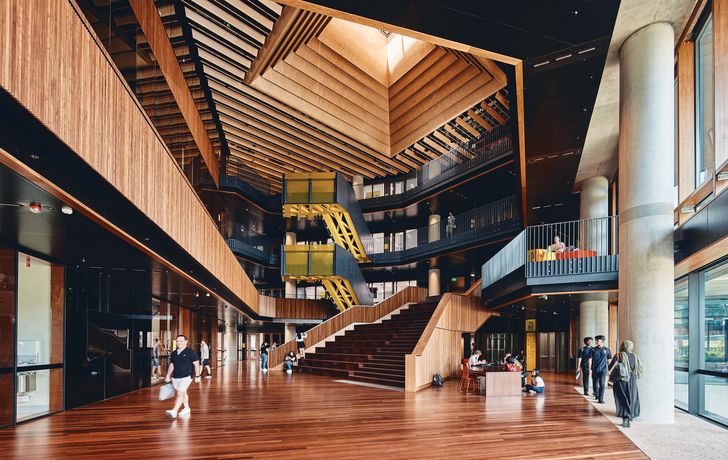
<point>35,207</point>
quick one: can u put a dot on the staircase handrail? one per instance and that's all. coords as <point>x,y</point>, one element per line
<point>355,314</point>
<point>449,300</point>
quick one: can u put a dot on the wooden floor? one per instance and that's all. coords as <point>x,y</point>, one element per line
<point>243,414</point>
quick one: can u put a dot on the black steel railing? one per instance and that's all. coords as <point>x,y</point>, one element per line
<point>253,244</point>
<point>458,160</point>
<point>492,217</point>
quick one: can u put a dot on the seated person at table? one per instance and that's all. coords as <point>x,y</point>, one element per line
<point>511,365</point>
<point>558,247</point>
<point>475,359</point>
<point>537,385</point>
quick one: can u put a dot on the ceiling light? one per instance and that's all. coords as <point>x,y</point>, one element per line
<point>67,210</point>
<point>723,175</point>
<point>35,207</point>
<point>687,209</point>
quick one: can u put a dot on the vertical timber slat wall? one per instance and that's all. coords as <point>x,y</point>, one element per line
<point>53,65</point>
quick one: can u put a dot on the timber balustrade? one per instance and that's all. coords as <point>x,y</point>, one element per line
<point>440,348</point>
<point>353,315</point>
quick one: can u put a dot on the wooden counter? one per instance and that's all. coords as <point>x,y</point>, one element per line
<point>500,383</point>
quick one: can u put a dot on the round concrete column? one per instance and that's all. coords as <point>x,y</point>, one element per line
<point>594,232</point>
<point>433,282</point>
<point>357,182</point>
<point>433,228</point>
<point>290,285</point>
<point>646,155</point>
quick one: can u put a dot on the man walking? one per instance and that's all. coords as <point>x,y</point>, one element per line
<point>184,364</point>
<point>598,363</point>
<point>582,364</point>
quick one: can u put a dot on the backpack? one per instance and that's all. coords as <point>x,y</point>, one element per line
<point>437,380</point>
<point>621,369</point>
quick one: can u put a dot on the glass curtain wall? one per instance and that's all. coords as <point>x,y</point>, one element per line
<point>701,334</point>
<point>682,344</point>
<point>705,104</point>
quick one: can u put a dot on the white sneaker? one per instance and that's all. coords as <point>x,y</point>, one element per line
<point>265,370</point>
<point>208,377</point>
<point>185,411</point>
<point>289,371</point>
<point>171,414</point>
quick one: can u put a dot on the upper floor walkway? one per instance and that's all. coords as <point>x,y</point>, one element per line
<point>574,256</point>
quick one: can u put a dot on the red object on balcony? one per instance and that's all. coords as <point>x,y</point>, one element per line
<point>576,254</point>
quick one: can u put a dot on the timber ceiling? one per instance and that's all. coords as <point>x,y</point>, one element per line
<point>285,90</point>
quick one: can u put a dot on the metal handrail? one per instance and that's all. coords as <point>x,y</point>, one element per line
<point>461,158</point>
<point>489,216</point>
<point>572,247</point>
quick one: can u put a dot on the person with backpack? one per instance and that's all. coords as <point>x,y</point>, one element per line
<point>624,370</point>
<point>599,365</point>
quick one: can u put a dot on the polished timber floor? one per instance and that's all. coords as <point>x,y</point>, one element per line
<point>242,413</point>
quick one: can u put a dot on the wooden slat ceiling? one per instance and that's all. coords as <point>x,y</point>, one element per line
<point>303,106</point>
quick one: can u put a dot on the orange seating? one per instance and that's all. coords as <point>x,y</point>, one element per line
<point>465,377</point>
<point>575,254</point>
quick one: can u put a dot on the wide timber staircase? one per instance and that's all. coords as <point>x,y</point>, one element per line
<point>373,353</point>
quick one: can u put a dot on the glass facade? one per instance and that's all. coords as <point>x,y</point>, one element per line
<point>705,104</point>
<point>682,344</point>
<point>701,333</point>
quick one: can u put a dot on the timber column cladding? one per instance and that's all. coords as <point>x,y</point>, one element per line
<point>646,168</point>
<point>593,204</point>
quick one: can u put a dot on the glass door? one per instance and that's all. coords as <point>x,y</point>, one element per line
<point>39,344</point>
<point>8,268</point>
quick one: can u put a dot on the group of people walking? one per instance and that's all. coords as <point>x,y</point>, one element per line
<point>596,364</point>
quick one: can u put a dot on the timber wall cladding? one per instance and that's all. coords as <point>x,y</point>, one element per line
<point>54,67</point>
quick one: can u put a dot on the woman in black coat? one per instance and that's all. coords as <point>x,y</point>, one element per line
<point>626,396</point>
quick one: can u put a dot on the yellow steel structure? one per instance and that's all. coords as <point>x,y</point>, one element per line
<point>337,220</point>
<point>338,288</point>
<point>315,263</point>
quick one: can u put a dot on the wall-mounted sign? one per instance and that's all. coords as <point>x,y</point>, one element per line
<point>530,325</point>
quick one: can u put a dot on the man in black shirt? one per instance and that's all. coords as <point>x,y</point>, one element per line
<point>598,363</point>
<point>582,363</point>
<point>184,364</point>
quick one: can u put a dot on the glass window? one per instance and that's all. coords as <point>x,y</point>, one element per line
<point>716,318</point>
<point>411,183</point>
<point>705,101</point>
<point>410,238</point>
<point>398,241</point>
<point>716,395</point>
<point>377,190</point>
<point>681,324</point>
<point>676,197</point>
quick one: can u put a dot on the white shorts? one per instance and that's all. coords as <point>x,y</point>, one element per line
<point>181,384</point>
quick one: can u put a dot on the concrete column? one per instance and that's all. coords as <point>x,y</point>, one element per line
<point>289,332</point>
<point>357,182</point>
<point>231,342</point>
<point>433,282</point>
<point>593,204</point>
<point>646,264</point>
<point>433,229</point>
<point>289,286</point>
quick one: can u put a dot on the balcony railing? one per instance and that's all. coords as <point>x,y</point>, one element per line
<point>572,248</point>
<point>458,160</point>
<point>490,219</point>
<point>586,249</point>
<point>260,247</point>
